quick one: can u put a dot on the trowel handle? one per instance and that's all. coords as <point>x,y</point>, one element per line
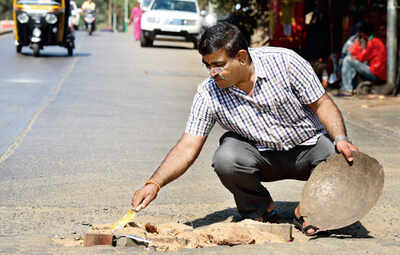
<point>138,208</point>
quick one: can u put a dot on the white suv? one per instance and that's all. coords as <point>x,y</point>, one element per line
<point>171,20</point>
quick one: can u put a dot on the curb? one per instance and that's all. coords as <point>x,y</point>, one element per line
<point>5,32</point>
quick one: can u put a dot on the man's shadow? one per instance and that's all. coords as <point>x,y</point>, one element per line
<point>285,215</point>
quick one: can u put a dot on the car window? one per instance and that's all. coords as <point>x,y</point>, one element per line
<point>146,3</point>
<point>174,5</point>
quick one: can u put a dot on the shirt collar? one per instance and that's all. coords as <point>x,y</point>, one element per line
<point>258,67</point>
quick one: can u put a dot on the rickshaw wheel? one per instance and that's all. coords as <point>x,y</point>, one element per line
<point>36,50</point>
<point>19,48</point>
<point>195,44</point>
<point>70,51</point>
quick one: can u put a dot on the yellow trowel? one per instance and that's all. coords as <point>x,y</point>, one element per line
<point>128,217</point>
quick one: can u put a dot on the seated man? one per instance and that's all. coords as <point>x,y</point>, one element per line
<point>350,41</point>
<point>88,5</point>
<point>370,62</point>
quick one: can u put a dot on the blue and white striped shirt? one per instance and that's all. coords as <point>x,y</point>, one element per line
<point>277,116</point>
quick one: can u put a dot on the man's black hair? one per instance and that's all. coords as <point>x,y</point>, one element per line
<point>223,35</point>
<point>366,28</point>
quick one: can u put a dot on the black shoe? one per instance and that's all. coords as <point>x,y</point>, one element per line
<point>271,217</point>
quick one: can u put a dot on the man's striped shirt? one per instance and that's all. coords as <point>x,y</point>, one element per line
<point>277,116</point>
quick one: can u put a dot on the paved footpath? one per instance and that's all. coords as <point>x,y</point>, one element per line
<point>109,127</point>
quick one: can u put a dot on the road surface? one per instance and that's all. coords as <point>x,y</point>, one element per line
<point>80,134</point>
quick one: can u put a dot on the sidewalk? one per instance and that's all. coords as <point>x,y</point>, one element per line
<point>380,113</point>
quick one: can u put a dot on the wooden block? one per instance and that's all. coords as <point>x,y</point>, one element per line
<point>98,239</point>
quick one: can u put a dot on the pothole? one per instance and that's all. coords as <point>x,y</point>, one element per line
<point>176,236</point>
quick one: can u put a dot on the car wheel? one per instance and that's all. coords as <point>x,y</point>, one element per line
<point>36,50</point>
<point>70,51</point>
<point>195,44</point>
<point>19,48</point>
<point>145,41</point>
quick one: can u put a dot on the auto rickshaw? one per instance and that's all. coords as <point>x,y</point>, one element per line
<point>39,23</point>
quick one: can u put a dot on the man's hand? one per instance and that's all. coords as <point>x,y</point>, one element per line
<point>345,147</point>
<point>144,195</point>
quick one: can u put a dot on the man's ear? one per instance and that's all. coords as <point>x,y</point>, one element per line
<point>242,56</point>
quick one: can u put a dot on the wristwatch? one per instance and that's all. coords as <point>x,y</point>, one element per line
<point>341,138</point>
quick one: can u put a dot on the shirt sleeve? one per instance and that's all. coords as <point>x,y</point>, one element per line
<point>200,121</point>
<point>355,49</point>
<point>366,54</point>
<point>303,80</point>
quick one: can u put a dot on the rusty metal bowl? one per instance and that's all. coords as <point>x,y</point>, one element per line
<point>338,194</point>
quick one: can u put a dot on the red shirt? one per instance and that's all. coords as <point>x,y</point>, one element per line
<point>374,54</point>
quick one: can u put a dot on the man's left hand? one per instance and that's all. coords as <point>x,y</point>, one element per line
<point>345,147</point>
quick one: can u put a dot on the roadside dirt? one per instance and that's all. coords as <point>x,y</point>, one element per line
<point>175,236</point>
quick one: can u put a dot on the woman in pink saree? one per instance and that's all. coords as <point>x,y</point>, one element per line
<point>136,16</point>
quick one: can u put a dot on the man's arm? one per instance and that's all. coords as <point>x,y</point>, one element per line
<point>178,160</point>
<point>331,118</point>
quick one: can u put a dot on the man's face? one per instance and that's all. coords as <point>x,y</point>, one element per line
<point>364,36</point>
<point>223,69</point>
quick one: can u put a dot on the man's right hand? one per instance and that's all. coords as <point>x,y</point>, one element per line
<point>144,195</point>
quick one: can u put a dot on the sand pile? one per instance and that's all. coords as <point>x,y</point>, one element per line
<point>175,236</point>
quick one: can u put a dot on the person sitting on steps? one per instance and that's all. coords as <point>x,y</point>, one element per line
<point>369,63</point>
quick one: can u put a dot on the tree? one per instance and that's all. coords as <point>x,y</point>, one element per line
<point>6,9</point>
<point>246,14</point>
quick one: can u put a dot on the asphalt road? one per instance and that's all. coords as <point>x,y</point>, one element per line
<point>79,134</point>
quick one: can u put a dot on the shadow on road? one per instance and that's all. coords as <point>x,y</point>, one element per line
<point>355,230</point>
<point>286,213</point>
<point>173,47</point>
<point>56,55</point>
<point>215,217</point>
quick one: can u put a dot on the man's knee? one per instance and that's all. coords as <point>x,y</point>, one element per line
<point>224,161</point>
<point>228,161</point>
<point>351,62</point>
<point>324,149</point>
<point>347,62</point>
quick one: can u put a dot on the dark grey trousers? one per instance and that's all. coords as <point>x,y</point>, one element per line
<point>241,169</point>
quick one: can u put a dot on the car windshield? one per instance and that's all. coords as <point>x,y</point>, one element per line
<point>146,3</point>
<point>40,2</point>
<point>174,5</point>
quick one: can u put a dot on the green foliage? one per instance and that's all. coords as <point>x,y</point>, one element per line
<point>6,9</point>
<point>250,15</point>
